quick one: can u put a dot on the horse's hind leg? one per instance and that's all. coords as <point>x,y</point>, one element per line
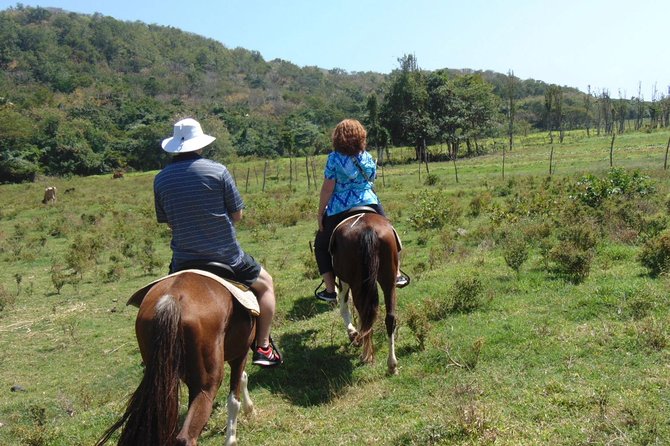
<point>390,321</point>
<point>392,361</point>
<point>203,384</point>
<point>342,298</point>
<point>238,385</point>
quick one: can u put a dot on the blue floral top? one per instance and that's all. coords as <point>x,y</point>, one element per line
<point>351,187</point>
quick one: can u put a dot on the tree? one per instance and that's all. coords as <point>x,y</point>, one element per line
<point>511,92</point>
<point>404,112</point>
<point>378,136</point>
<point>587,111</point>
<point>553,105</point>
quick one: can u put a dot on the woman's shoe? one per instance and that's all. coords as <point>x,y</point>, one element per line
<point>326,296</point>
<point>401,281</point>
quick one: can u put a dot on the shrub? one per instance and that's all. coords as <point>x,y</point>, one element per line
<point>592,190</point>
<point>515,250</point>
<point>583,236</point>
<point>17,170</point>
<point>655,254</point>
<point>432,180</point>
<point>58,277</point>
<point>311,270</point>
<point>417,321</point>
<point>6,299</point>
<point>465,295</point>
<point>478,204</point>
<point>571,261</point>
<point>147,256</point>
<point>433,211</point>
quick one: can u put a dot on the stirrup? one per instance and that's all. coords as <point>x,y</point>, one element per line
<point>404,275</point>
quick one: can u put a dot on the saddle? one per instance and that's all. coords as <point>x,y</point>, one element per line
<point>220,269</point>
<point>214,270</point>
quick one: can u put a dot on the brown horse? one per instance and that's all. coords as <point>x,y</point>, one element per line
<point>365,252</point>
<point>186,327</point>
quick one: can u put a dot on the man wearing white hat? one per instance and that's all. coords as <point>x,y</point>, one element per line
<point>198,199</point>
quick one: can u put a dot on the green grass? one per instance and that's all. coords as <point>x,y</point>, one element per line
<point>539,360</point>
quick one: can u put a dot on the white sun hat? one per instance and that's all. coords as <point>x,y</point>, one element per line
<point>187,137</point>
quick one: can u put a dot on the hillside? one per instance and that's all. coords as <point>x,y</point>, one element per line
<point>88,94</point>
<point>115,88</point>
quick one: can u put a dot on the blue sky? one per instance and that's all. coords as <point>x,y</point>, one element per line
<point>607,44</point>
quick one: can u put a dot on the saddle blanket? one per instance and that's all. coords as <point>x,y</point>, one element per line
<point>240,292</point>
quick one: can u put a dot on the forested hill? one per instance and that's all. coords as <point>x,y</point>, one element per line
<point>82,94</point>
<point>85,94</point>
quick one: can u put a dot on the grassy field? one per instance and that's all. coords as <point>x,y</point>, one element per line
<point>530,319</point>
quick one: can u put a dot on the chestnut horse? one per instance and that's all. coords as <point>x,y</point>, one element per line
<point>365,252</point>
<point>187,327</point>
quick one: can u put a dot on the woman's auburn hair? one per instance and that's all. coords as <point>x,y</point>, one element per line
<point>349,137</point>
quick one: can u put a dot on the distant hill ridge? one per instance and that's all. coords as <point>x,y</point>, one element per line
<point>86,94</point>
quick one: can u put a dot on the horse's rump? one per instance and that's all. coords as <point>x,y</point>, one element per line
<point>186,327</point>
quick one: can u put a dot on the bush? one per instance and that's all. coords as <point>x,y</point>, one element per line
<point>6,299</point>
<point>17,170</point>
<point>478,204</point>
<point>655,254</point>
<point>571,261</point>
<point>465,295</point>
<point>433,211</point>
<point>515,251</point>
<point>417,321</point>
<point>583,236</point>
<point>432,180</point>
<point>592,190</point>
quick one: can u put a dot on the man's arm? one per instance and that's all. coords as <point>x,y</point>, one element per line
<point>236,216</point>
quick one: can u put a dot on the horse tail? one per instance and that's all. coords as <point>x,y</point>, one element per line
<point>368,305</point>
<point>152,415</point>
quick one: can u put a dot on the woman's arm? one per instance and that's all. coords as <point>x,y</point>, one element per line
<point>324,197</point>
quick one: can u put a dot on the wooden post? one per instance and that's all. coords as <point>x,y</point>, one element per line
<point>424,154</point>
<point>383,177</point>
<point>455,169</point>
<point>551,158</point>
<point>612,147</point>
<point>314,173</point>
<point>665,163</point>
<point>265,170</point>
<point>503,163</point>
<point>246,183</point>
<point>309,185</point>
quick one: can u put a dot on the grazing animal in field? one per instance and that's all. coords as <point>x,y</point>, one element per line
<point>187,327</point>
<point>117,174</point>
<point>365,252</point>
<point>49,195</point>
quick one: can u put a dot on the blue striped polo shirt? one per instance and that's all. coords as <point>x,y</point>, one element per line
<point>196,196</point>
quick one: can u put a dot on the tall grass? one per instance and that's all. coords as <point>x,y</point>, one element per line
<point>501,340</point>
